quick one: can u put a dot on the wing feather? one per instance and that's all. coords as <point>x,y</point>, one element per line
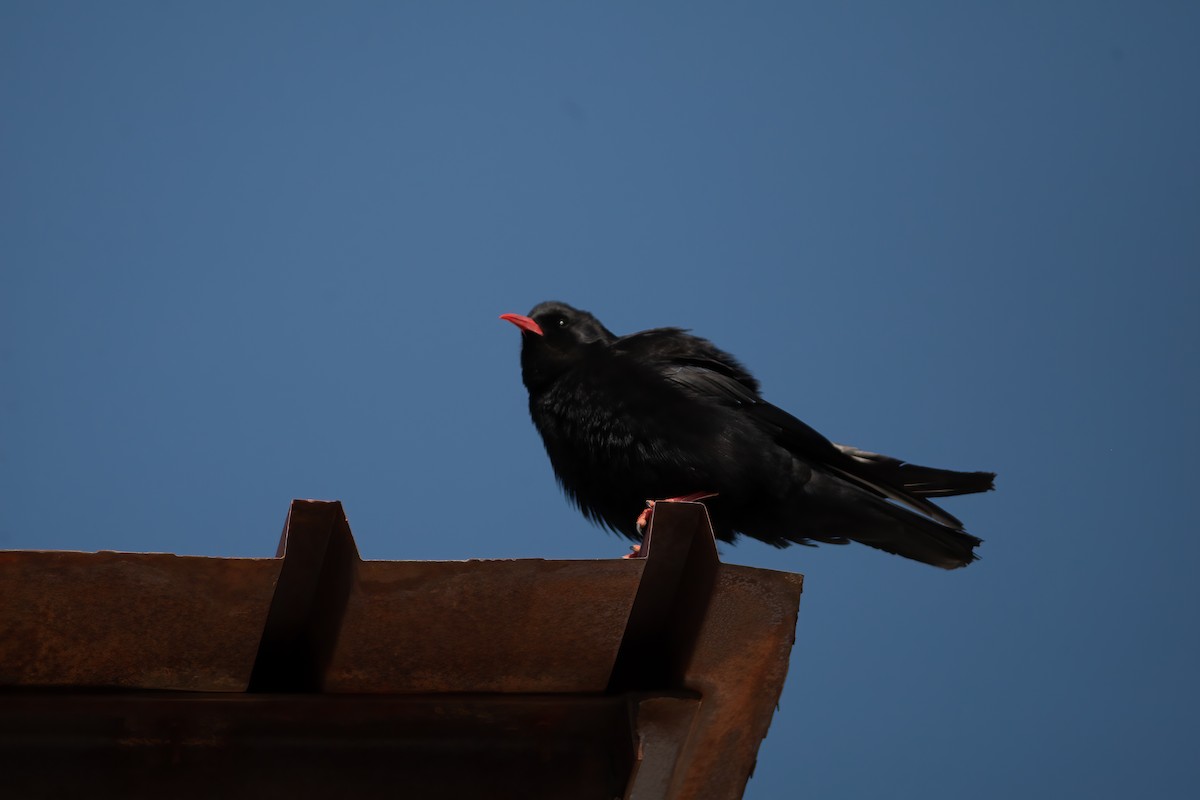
<point>701,369</point>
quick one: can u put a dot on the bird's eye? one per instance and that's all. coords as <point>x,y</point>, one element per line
<point>561,322</point>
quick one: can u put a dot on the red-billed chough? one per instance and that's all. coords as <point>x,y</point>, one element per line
<point>664,414</point>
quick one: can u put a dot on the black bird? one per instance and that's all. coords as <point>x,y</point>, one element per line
<point>663,414</point>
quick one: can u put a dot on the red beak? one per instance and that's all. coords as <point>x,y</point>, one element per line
<point>524,323</point>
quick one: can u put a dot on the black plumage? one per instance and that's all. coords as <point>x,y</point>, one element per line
<point>661,414</point>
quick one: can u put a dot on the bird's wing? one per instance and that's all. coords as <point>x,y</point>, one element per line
<point>703,377</point>
<point>665,347</point>
<point>714,380</point>
<point>700,368</point>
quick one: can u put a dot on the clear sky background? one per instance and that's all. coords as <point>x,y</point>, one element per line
<point>255,251</point>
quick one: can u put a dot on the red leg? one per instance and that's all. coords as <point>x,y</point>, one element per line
<point>643,520</point>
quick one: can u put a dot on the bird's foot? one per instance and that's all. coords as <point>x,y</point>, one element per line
<point>643,520</point>
<point>635,551</point>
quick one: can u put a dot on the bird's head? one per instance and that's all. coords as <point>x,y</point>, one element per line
<point>554,338</point>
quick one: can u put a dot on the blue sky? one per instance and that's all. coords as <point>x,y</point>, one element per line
<point>256,251</point>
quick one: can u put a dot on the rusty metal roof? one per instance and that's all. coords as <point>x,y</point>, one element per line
<point>159,675</point>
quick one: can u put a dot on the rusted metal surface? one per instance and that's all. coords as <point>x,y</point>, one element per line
<point>662,727</point>
<point>483,626</point>
<point>319,564</point>
<point>644,678</point>
<point>131,620</point>
<point>672,598</point>
<point>738,665</point>
<point>728,636</point>
<point>231,746</point>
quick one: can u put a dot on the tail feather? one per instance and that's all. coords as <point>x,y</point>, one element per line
<point>916,479</point>
<point>913,537</point>
<point>835,510</point>
<point>916,537</point>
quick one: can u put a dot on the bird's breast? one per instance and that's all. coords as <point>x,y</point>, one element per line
<point>613,422</point>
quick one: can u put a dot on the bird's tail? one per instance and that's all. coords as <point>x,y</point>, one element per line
<point>918,480</point>
<point>919,538</point>
<point>837,512</point>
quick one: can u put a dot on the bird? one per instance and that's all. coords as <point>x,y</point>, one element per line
<point>662,414</point>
